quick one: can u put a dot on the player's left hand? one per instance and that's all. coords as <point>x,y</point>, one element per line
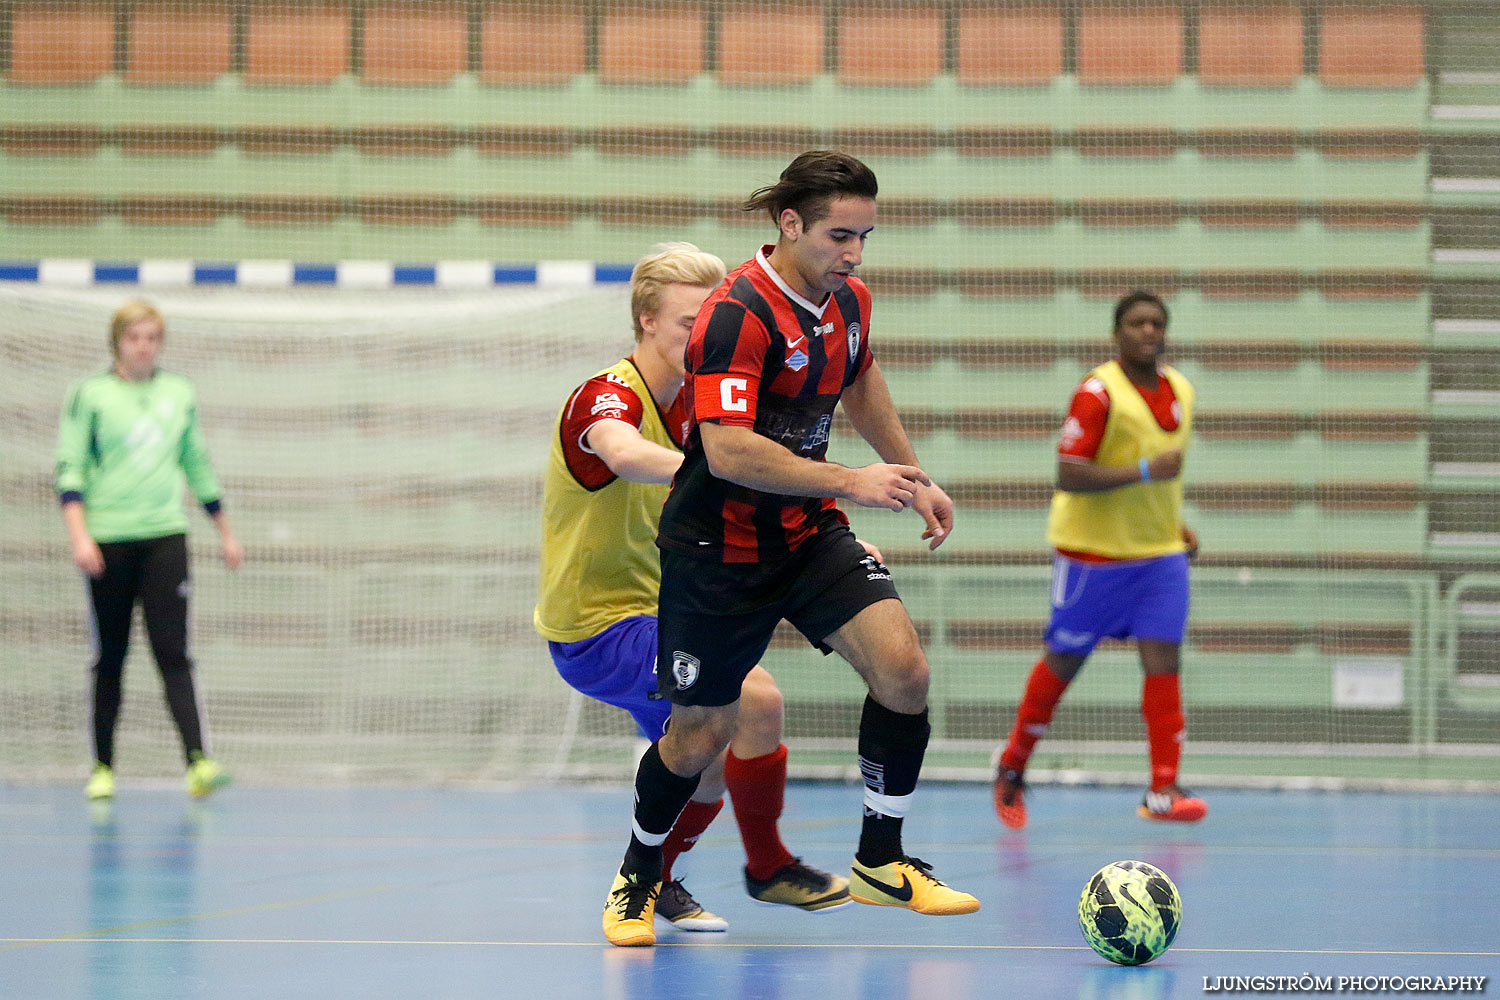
<point>871,550</point>
<point>1191,538</point>
<point>234,552</point>
<point>936,508</point>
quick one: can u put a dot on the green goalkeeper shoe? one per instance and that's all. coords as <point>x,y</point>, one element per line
<point>101,783</point>
<point>204,775</point>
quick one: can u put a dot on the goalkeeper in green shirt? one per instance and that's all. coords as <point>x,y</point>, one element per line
<point>128,436</point>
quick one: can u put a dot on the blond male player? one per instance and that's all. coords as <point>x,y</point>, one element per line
<point>618,443</point>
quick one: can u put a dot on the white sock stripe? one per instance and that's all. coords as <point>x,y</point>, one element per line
<point>649,839</point>
<point>888,805</point>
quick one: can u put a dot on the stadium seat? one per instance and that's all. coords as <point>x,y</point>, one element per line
<point>172,44</point>
<point>1129,45</point>
<point>529,43</point>
<point>415,44</point>
<point>59,44</point>
<point>1371,46</point>
<point>1009,46</point>
<point>1257,46</point>
<point>770,44</point>
<point>651,43</point>
<point>295,44</point>
<point>887,45</point>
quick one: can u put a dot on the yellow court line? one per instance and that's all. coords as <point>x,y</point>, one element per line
<point>93,937</point>
<point>102,934</point>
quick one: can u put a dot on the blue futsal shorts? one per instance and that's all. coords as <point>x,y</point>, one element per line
<point>1143,598</point>
<point>618,667</point>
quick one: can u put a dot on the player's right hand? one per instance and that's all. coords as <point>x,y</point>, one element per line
<point>1167,465</point>
<point>87,557</point>
<point>890,486</point>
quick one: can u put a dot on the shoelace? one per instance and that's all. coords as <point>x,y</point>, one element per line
<point>925,869</point>
<point>631,899</point>
<point>675,896</point>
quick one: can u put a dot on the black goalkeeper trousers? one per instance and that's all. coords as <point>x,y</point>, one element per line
<point>153,571</point>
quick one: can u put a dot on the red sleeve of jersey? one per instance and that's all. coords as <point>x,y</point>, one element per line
<point>1084,429</point>
<point>604,397</point>
<point>726,356</point>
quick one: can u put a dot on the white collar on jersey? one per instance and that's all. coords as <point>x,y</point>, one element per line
<point>765,265</point>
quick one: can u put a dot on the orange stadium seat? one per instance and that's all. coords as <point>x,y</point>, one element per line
<point>415,43</point>
<point>1371,46</point>
<point>61,42</point>
<point>651,43</point>
<point>1129,45</point>
<point>770,43</point>
<point>1250,46</point>
<point>296,43</point>
<point>527,43</point>
<point>881,44</point>
<point>1009,46</point>
<point>169,43</point>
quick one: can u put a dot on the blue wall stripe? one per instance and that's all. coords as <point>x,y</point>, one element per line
<point>409,274</point>
<point>116,274</point>
<point>228,273</point>
<point>314,274</point>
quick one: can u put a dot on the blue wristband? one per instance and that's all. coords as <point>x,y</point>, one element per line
<point>1145,471</point>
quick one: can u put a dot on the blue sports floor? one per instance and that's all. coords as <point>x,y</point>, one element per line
<point>454,893</point>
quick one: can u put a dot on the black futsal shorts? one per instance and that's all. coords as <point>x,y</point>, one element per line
<point>716,619</point>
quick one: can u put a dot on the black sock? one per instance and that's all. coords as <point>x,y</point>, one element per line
<point>891,748</point>
<point>660,797</point>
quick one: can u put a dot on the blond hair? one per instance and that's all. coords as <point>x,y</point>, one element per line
<point>131,312</point>
<point>669,264</point>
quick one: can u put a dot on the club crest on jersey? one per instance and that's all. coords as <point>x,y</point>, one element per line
<point>853,339</point>
<point>684,669</point>
<point>797,360</point>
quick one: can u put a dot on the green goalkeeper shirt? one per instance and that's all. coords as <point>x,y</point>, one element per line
<point>123,449</point>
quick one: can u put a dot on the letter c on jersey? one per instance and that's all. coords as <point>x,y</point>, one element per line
<point>732,395</point>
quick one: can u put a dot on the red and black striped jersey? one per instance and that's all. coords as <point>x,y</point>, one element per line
<point>764,357</point>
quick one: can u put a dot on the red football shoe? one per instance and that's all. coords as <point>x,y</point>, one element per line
<point>1010,799</point>
<point>1172,804</point>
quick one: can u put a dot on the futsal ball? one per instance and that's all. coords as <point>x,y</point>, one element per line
<point>1129,912</point>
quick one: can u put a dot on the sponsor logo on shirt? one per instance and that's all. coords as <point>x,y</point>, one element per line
<point>818,435</point>
<point>1072,431</point>
<point>796,361</point>
<point>608,402</point>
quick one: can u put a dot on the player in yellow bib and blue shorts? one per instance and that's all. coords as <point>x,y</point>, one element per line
<point>1122,551</point>
<point>618,443</point>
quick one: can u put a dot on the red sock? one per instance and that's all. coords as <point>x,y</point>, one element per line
<point>1161,706</point>
<point>1043,691</point>
<point>757,786</point>
<point>686,831</point>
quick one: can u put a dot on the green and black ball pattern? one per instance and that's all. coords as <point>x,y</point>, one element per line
<point>1129,912</point>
